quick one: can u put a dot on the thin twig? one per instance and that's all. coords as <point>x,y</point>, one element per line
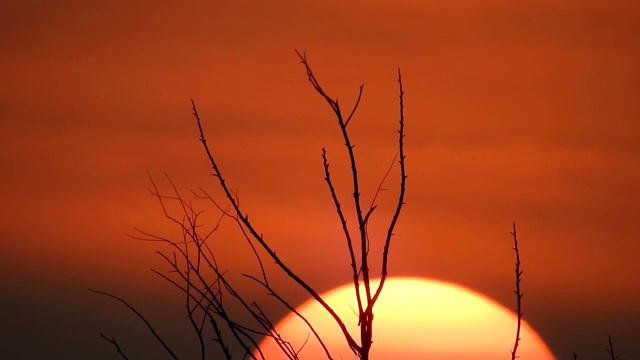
<point>610,350</point>
<point>254,233</point>
<point>365,317</point>
<point>113,341</point>
<point>345,229</point>
<point>153,331</point>
<point>273,293</point>
<point>400,204</point>
<point>518,293</point>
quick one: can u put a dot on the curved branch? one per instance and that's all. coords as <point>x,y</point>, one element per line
<point>345,229</point>
<point>400,204</point>
<point>153,331</point>
<point>245,220</point>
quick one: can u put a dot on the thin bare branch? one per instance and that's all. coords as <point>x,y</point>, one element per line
<point>245,220</point>
<point>366,316</point>
<point>518,293</point>
<point>611,351</point>
<point>345,229</point>
<point>113,341</point>
<point>355,107</point>
<point>373,205</point>
<point>273,293</point>
<point>215,301</point>
<point>193,268</point>
<point>400,204</point>
<point>149,326</point>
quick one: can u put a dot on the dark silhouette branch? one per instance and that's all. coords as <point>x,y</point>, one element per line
<point>364,267</point>
<point>373,205</point>
<point>149,326</point>
<point>400,204</point>
<point>295,311</point>
<point>345,229</point>
<point>113,341</point>
<point>365,308</point>
<point>518,293</point>
<point>245,221</point>
<point>611,351</point>
<point>189,227</point>
<point>194,271</point>
<point>355,107</point>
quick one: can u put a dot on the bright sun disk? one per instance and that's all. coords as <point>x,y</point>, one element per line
<point>414,318</point>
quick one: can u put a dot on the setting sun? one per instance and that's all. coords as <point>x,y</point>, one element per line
<point>414,319</point>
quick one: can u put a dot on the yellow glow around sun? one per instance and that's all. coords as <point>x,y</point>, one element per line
<point>413,319</point>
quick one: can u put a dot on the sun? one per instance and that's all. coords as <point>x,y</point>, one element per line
<point>414,318</point>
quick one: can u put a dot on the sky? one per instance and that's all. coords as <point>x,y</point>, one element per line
<point>515,111</point>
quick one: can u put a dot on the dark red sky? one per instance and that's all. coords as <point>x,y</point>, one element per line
<point>516,111</point>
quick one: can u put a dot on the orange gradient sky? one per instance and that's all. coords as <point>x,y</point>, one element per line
<point>515,111</point>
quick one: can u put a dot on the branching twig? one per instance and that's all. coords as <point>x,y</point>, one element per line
<point>195,272</point>
<point>365,306</point>
<point>254,233</point>
<point>153,331</point>
<point>273,293</point>
<point>610,350</point>
<point>113,341</point>
<point>364,262</point>
<point>345,229</point>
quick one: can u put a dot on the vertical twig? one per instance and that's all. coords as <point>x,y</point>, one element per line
<point>400,204</point>
<point>518,293</point>
<point>610,350</point>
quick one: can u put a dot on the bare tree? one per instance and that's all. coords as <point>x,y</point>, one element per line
<point>209,293</point>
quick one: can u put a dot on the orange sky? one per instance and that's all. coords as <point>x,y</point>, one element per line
<point>523,112</point>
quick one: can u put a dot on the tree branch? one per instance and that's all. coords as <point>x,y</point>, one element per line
<point>149,326</point>
<point>518,293</point>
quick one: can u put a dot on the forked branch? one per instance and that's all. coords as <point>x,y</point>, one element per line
<point>113,341</point>
<point>611,351</point>
<point>153,331</point>
<point>195,272</point>
<point>364,265</point>
<point>365,305</point>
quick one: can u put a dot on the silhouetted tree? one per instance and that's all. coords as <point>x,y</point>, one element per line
<point>212,299</point>
<point>208,290</point>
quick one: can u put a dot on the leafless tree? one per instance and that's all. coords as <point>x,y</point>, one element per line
<point>212,298</point>
<point>208,290</point>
